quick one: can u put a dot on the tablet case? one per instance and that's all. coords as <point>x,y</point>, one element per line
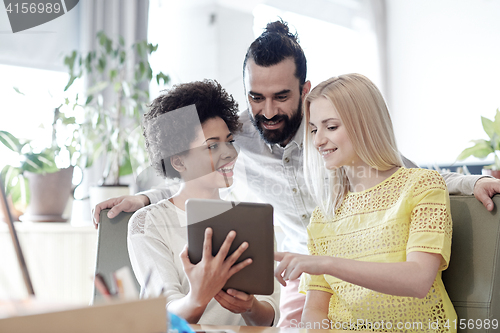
<point>253,223</point>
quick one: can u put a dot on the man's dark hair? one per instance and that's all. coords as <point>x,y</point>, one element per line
<point>274,45</point>
<point>176,134</point>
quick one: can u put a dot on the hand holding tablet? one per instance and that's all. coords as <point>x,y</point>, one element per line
<point>208,276</point>
<point>252,223</point>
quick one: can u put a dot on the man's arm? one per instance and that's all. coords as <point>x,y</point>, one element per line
<point>156,195</point>
<point>128,203</point>
<point>482,187</point>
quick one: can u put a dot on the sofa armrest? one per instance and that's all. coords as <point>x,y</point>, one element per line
<point>472,279</point>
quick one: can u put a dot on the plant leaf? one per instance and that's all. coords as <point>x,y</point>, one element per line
<point>101,64</point>
<point>140,49</point>
<point>126,88</point>
<point>162,77</point>
<point>112,74</point>
<point>102,37</point>
<point>70,61</point>
<point>70,82</point>
<point>495,142</point>
<point>123,56</point>
<point>481,149</point>
<point>18,91</point>
<point>33,163</point>
<point>88,63</point>
<point>10,141</point>
<point>152,48</point>
<point>89,100</point>
<point>8,174</point>
<point>488,126</point>
<point>109,46</point>
<point>16,185</point>
<point>47,158</point>
<point>98,87</point>
<point>496,122</point>
<point>125,167</point>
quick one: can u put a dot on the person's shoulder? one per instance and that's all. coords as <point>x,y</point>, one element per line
<point>247,127</point>
<point>150,215</point>
<point>420,173</point>
<point>422,179</point>
<point>244,116</point>
<point>160,207</point>
<point>318,216</point>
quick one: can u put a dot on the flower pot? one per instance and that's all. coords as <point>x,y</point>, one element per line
<point>49,195</point>
<point>101,193</point>
<point>493,173</point>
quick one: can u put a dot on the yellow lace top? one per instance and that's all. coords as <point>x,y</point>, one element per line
<point>409,211</point>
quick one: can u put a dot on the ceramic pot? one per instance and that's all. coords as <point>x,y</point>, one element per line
<point>49,195</point>
<point>101,193</point>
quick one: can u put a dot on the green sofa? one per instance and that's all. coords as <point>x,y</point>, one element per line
<point>472,279</point>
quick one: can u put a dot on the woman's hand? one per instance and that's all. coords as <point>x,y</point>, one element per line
<point>207,277</point>
<point>253,311</point>
<point>235,301</point>
<point>292,265</point>
<point>411,278</point>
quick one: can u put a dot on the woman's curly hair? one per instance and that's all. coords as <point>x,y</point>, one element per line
<point>175,135</point>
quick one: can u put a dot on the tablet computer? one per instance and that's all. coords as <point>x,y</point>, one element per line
<point>253,223</point>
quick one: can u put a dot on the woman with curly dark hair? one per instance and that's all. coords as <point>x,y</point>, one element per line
<point>189,135</point>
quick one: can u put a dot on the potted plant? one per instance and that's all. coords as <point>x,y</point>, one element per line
<point>39,182</point>
<point>118,78</point>
<point>484,148</point>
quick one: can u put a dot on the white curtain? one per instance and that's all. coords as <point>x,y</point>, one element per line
<point>128,19</point>
<point>376,13</point>
<point>125,18</point>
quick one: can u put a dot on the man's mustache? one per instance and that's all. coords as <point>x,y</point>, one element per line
<point>260,118</point>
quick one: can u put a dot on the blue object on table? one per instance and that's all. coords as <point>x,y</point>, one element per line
<point>178,325</point>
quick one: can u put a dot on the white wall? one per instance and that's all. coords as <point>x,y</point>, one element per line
<point>444,73</point>
<point>204,40</point>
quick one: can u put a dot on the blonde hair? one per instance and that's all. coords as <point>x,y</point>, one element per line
<point>364,114</point>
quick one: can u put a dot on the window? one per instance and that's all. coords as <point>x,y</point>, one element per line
<point>330,49</point>
<point>29,115</point>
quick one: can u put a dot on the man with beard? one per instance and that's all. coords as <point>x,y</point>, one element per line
<point>271,144</point>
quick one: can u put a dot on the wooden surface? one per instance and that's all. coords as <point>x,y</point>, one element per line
<point>136,316</point>
<point>259,329</point>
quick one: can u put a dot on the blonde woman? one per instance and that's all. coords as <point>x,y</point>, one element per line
<point>381,234</point>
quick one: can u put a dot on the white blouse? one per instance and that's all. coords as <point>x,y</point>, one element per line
<point>157,235</point>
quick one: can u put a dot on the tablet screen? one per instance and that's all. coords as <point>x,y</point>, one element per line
<point>253,223</point>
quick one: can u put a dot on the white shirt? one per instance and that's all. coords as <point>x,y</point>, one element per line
<point>157,235</point>
<point>275,175</point>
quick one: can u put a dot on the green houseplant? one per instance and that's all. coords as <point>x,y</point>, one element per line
<point>39,181</point>
<point>118,80</point>
<point>483,148</point>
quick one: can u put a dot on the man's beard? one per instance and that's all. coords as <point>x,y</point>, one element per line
<point>279,135</point>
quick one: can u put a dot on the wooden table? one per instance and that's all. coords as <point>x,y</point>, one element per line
<point>259,329</point>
